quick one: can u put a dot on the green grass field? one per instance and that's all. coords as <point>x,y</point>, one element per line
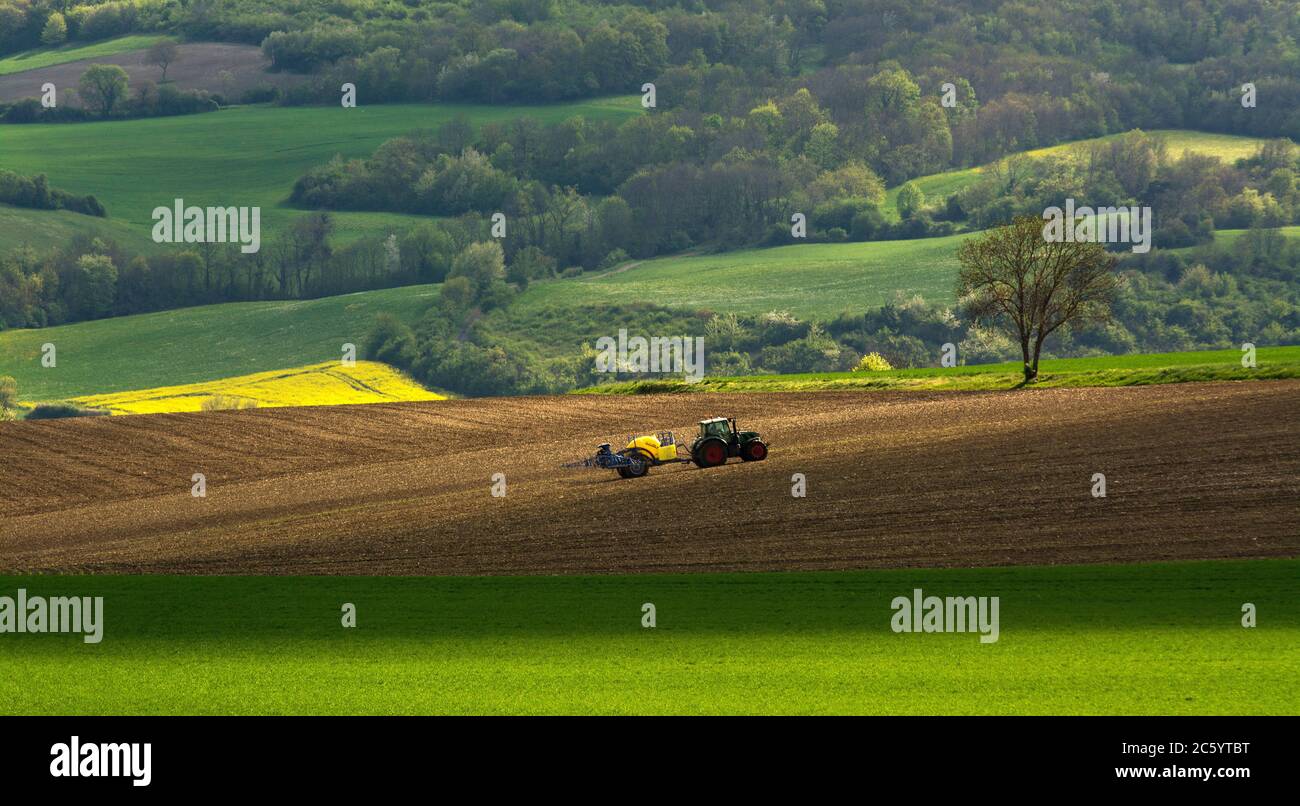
<point>1135,639</point>
<point>1227,147</point>
<point>242,156</point>
<point>48,57</point>
<point>1118,370</point>
<point>1227,238</point>
<point>198,344</point>
<point>46,229</point>
<point>213,342</point>
<point>808,280</point>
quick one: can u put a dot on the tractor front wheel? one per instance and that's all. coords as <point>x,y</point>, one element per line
<point>711,454</point>
<point>753,451</point>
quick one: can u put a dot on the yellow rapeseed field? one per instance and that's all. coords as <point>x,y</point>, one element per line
<point>327,384</point>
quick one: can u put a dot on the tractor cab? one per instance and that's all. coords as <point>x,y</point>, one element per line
<point>719,427</point>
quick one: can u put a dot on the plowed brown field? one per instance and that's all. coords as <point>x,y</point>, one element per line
<point>944,479</point>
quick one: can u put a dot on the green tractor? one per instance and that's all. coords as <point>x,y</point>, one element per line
<point>719,439</point>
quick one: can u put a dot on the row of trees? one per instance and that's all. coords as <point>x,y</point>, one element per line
<point>1190,196</point>
<point>35,192</point>
<point>28,24</point>
<point>92,278</point>
<point>1021,299</point>
<point>105,92</point>
<point>582,190</point>
<point>1169,301</point>
<point>666,206</point>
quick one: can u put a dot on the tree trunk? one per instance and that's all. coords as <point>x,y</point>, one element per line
<point>1038,348</point>
<point>1031,372</point>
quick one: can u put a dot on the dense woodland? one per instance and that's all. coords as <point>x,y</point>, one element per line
<point>581,190</point>
<point>1037,73</point>
<point>764,109</point>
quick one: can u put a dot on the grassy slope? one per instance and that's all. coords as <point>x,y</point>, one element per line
<point>1227,238</point>
<point>1227,147</point>
<point>1138,639</point>
<point>214,343</point>
<point>45,229</point>
<point>821,280</point>
<point>326,384</point>
<point>1118,370</point>
<point>546,332</point>
<point>807,280</point>
<point>243,156</point>
<point>198,344</point>
<point>48,57</point>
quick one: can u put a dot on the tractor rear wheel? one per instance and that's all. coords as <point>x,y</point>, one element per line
<point>753,451</point>
<point>711,453</point>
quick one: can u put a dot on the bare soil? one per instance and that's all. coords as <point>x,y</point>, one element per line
<point>199,67</point>
<point>893,480</point>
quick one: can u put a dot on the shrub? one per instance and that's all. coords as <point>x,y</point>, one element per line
<point>910,200</point>
<point>392,342</point>
<point>36,193</point>
<point>55,31</point>
<point>8,394</point>
<point>613,259</point>
<point>56,411</point>
<point>872,362</point>
<point>480,263</point>
<point>261,94</point>
<point>227,403</point>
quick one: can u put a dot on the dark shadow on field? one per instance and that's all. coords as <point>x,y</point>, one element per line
<point>1128,597</point>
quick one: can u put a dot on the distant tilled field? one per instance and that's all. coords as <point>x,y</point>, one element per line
<point>1192,471</point>
<point>200,67</point>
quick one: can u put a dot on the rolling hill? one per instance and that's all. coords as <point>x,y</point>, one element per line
<point>1135,369</point>
<point>192,345</point>
<point>1228,237</point>
<point>325,384</point>
<point>242,156</point>
<point>894,479</point>
<point>808,280</point>
<point>552,318</point>
<point>1227,147</point>
<point>220,341</point>
<point>46,229</point>
<point>223,68</point>
<point>76,51</point>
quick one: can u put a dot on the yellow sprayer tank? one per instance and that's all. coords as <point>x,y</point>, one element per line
<point>661,447</point>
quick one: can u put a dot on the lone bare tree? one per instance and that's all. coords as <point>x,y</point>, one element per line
<point>1014,278</point>
<point>162,54</point>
